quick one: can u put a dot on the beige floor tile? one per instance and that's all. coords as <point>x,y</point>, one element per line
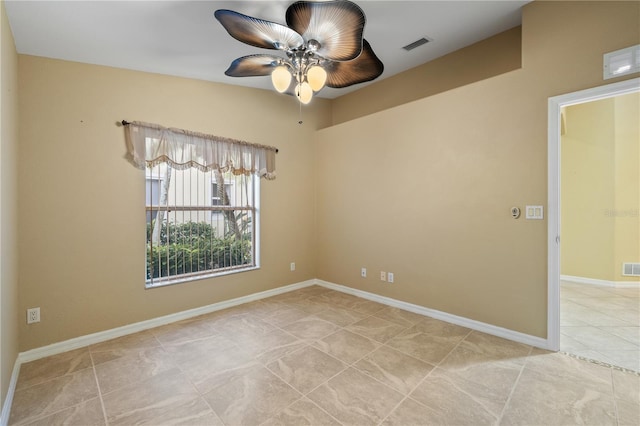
<point>395,369</point>
<point>132,368</point>
<point>182,373</point>
<point>204,370</point>
<point>427,348</point>
<point>309,306</point>
<point>480,368</point>
<point>626,386</point>
<point>262,308</point>
<point>306,369</point>
<point>628,413</point>
<point>457,401</point>
<point>409,413</point>
<point>548,399</point>
<point>354,398</point>
<point>53,395</point>
<point>376,328</point>
<point>48,368</point>
<point>284,317</point>
<point>271,346</point>
<point>346,346</point>
<point>183,331</point>
<point>340,316</point>
<point>570,369</point>
<point>163,399</point>
<point>123,345</point>
<point>434,327</point>
<point>250,396</point>
<point>243,326</point>
<point>302,413</point>
<point>495,348</point>
<point>196,352</point>
<point>310,328</point>
<point>88,413</point>
<point>366,307</point>
<point>399,316</point>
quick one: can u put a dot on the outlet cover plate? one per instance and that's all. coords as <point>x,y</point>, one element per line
<point>33,315</point>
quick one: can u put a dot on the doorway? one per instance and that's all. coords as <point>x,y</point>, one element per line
<point>579,297</point>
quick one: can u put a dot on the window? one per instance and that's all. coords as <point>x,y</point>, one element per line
<point>153,197</point>
<point>198,231</point>
<point>202,201</point>
<point>216,198</point>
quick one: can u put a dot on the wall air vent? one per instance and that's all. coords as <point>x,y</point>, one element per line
<point>631,269</point>
<point>416,43</point>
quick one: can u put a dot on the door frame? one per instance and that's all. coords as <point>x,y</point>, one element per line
<point>556,104</point>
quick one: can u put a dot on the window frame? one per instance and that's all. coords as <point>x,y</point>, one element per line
<point>215,210</point>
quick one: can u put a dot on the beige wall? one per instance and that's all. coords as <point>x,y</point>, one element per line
<point>600,187</point>
<point>456,69</point>
<point>8,206</point>
<point>82,204</point>
<point>424,190</point>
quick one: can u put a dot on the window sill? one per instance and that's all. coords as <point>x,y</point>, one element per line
<point>196,277</point>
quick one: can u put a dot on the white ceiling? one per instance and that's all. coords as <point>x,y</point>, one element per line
<point>182,38</point>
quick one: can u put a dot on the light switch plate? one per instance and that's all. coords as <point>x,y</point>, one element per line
<point>534,212</point>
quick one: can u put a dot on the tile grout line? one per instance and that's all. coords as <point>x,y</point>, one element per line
<point>348,365</point>
<point>515,385</point>
<point>407,396</point>
<point>186,376</point>
<point>95,376</point>
<point>615,400</point>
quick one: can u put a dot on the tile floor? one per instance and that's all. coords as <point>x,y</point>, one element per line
<point>601,323</point>
<point>320,357</point>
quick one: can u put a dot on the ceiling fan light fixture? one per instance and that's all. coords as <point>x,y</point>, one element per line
<point>281,78</point>
<point>316,77</point>
<point>323,43</point>
<point>304,93</point>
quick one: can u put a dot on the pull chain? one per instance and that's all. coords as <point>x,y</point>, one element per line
<point>300,112</point>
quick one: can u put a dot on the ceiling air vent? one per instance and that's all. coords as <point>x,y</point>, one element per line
<point>622,62</point>
<point>631,269</point>
<point>416,43</point>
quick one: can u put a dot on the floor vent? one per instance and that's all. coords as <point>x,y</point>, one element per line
<point>631,269</point>
<point>416,43</point>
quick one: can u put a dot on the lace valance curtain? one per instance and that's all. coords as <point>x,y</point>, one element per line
<point>151,144</point>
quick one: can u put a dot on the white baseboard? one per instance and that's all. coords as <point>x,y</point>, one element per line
<point>602,283</point>
<point>90,339</point>
<point>102,336</point>
<point>527,339</point>
<point>6,406</point>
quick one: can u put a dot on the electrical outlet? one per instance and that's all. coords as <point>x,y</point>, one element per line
<point>293,266</point>
<point>33,315</point>
<point>363,272</point>
<point>390,277</point>
<point>383,276</point>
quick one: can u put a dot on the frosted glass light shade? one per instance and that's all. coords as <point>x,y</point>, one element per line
<point>316,77</point>
<point>281,78</point>
<point>304,92</point>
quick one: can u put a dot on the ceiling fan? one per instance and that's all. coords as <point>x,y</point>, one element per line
<point>323,43</point>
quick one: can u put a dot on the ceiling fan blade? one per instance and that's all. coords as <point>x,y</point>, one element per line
<point>336,25</point>
<point>365,67</point>
<point>252,66</point>
<point>257,32</point>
